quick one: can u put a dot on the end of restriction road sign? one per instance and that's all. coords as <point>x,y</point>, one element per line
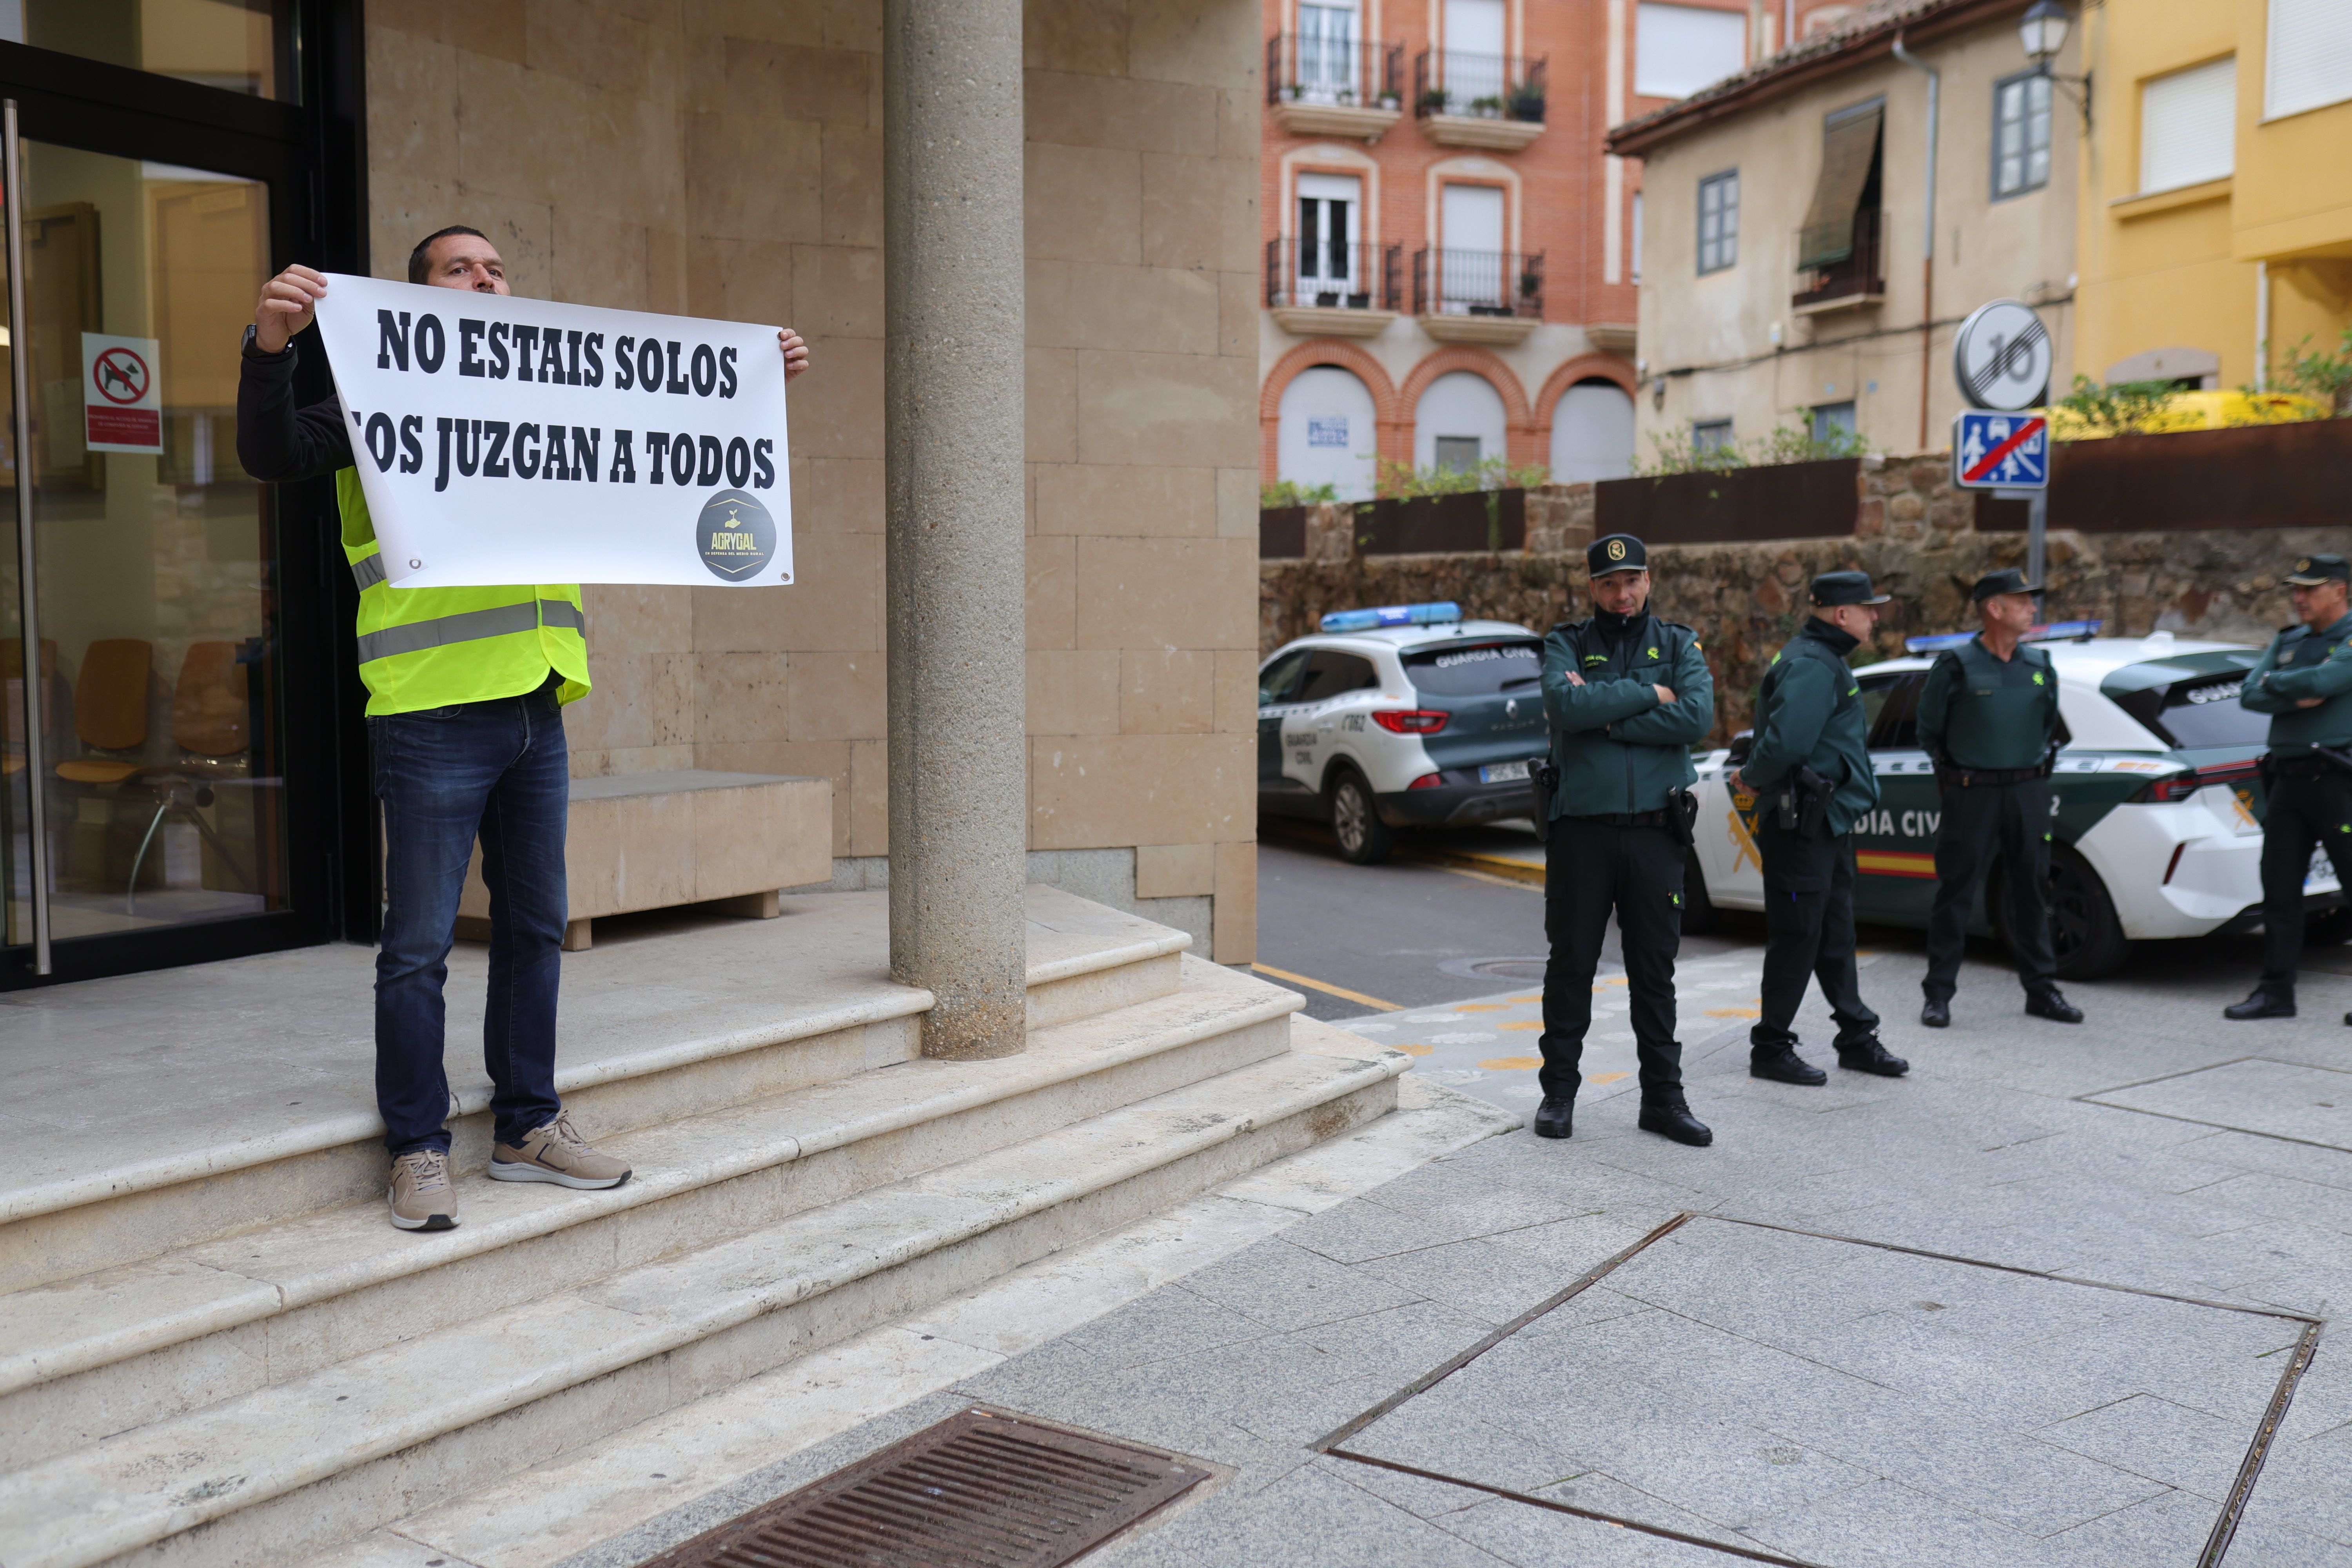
<point>1994,450</point>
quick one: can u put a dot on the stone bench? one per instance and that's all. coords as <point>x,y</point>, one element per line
<point>650,841</point>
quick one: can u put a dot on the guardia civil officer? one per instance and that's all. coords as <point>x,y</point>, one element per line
<point>1627,696</point>
<point>1811,773</point>
<point>1989,717</point>
<point>2304,683</point>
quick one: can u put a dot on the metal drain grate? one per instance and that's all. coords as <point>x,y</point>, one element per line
<point>978,1490</point>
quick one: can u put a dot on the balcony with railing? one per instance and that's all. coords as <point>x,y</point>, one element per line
<point>1334,84</point>
<point>1495,101</point>
<point>1829,281</point>
<point>1477,296</point>
<point>1318,288</point>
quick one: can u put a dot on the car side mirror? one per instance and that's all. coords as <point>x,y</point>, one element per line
<point>1741,744</point>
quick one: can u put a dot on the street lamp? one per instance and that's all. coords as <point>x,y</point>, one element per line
<point>2042,29</point>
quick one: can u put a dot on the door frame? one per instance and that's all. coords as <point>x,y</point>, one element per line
<point>313,154</point>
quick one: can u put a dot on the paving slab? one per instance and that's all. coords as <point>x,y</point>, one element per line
<point>2275,1098</point>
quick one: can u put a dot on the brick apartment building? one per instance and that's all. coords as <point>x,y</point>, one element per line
<point>1450,257</point>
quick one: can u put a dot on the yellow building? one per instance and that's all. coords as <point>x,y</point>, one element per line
<point>2218,209</point>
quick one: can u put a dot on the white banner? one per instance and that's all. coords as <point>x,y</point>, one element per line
<point>505,440</point>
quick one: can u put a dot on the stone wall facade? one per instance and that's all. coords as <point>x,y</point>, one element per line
<point>1914,533</point>
<point>726,161</point>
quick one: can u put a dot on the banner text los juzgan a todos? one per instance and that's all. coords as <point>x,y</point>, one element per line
<point>509,441</point>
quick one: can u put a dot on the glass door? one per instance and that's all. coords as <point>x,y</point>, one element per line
<point>161,786</point>
<point>182,763</point>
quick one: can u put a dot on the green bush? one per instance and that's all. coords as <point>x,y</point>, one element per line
<point>1676,451</point>
<point>1290,493</point>
<point>2317,373</point>
<point>1402,482</point>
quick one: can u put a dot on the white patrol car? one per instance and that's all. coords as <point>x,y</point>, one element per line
<point>2156,802</point>
<point>1425,720</point>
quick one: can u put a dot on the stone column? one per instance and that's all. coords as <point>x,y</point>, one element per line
<point>953,394</point>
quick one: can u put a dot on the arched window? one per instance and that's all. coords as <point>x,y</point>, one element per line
<point>1327,434</point>
<point>1459,423</point>
<point>1591,433</point>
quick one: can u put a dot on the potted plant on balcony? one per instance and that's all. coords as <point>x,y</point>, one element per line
<point>1527,103</point>
<point>1531,286</point>
<point>1433,100</point>
<point>1391,99</point>
<point>1487,108</point>
<point>1298,89</point>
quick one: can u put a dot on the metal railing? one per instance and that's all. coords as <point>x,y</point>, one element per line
<point>1477,283</point>
<point>1860,275</point>
<point>1350,72</point>
<point>1489,86</point>
<point>1348,277</point>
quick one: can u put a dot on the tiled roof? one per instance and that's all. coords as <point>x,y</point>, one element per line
<point>1863,32</point>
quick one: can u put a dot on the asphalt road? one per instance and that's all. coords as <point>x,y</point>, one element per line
<point>1415,934</point>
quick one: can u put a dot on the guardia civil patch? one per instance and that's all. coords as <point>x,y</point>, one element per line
<point>735,536</point>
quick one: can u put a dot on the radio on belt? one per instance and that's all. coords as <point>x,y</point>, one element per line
<point>1392,615</point>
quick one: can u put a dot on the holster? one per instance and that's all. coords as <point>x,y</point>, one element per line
<point>1543,783</point>
<point>1682,817</point>
<point>1805,804</point>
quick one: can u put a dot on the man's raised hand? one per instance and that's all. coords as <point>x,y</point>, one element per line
<point>288,304</point>
<point>795,353</point>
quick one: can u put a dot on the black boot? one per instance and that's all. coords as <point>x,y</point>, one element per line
<point>1867,1055</point>
<point>1670,1114</point>
<point>1556,1117</point>
<point>2048,1003</point>
<point>1782,1063</point>
<point>1937,1012</point>
<point>2263,1005</point>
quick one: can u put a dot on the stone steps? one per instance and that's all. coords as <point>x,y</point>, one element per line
<point>301,1463</point>
<point>651,1055</point>
<point>87,1356</point>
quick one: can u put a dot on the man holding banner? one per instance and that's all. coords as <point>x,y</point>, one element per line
<point>466,685</point>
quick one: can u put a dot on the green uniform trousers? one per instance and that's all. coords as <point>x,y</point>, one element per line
<point>2307,810</point>
<point>2012,821</point>
<point>1808,933</point>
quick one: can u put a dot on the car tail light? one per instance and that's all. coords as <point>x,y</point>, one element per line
<point>1427,781</point>
<point>1411,721</point>
<point>2179,786</point>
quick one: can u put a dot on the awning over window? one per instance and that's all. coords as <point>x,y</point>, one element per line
<point>1849,147</point>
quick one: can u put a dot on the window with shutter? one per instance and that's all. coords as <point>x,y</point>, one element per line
<point>2189,126</point>
<point>2309,61</point>
<point>2020,134</point>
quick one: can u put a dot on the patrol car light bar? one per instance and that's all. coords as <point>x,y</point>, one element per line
<point>2057,631</point>
<point>1392,615</point>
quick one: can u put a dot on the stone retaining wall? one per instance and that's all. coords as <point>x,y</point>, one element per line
<point>1913,533</point>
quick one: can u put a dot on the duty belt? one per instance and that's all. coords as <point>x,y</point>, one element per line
<point>1980,778</point>
<point>2302,767</point>
<point>1628,818</point>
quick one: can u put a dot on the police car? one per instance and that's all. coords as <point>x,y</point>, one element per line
<point>2156,802</point>
<point>1407,716</point>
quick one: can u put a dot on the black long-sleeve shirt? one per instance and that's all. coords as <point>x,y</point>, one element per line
<point>275,440</point>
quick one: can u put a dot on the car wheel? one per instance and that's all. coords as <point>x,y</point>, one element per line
<point>1698,910</point>
<point>1364,838</point>
<point>2085,937</point>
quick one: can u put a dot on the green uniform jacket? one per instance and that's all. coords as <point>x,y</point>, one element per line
<point>1809,711</point>
<point>1618,748</point>
<point>2303,663</point>
<point>1979,711</point>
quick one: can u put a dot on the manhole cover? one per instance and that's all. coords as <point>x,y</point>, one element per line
<point>979,1487</point>
<point>1787,1397</point>
<point>1505,969</point>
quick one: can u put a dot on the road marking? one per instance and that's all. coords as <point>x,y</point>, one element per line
<point>1339,991</point>
<point>1511,1064</point>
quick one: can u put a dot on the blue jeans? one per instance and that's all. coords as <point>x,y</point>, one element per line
<point>499,769</point>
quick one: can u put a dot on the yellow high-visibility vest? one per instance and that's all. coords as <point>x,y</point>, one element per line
<point>430,647</point>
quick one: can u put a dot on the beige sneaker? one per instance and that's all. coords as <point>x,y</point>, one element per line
<point>421,1195</point>
<point>556,1153</point>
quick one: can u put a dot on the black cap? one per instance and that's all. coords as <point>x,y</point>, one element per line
<point>2310,570</point>
<point>1833,588</point>
<point>1615,552</point>
<point>2007,580</point>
